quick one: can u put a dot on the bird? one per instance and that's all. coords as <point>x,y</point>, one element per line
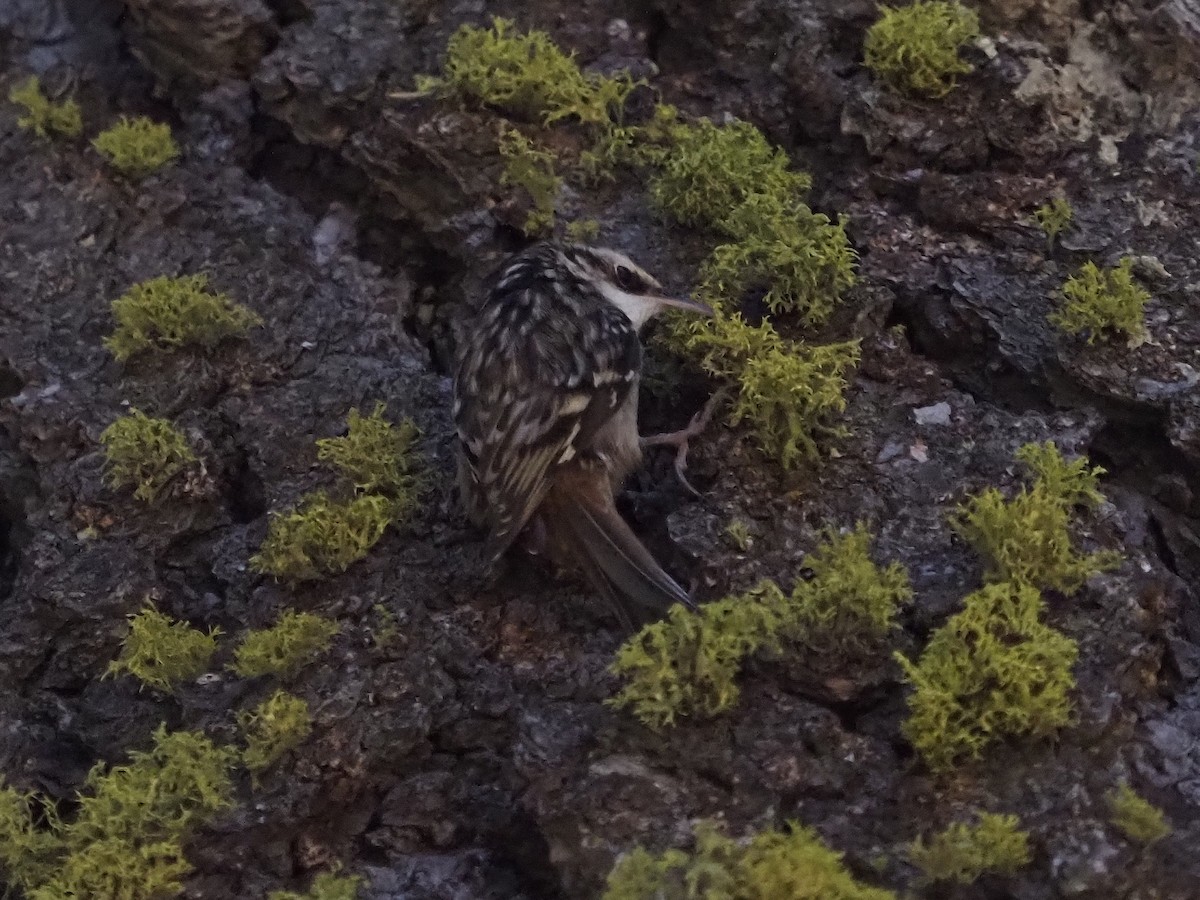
<point>545,409</point>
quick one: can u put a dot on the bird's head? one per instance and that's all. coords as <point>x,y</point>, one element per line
<point>625,284</point>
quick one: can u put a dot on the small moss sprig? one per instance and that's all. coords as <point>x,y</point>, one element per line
<point>1100,301</point>
<point>126,838</point>
<point>44,117</point>
<point>914,48</point>
<point>145,454</point>
<point>531,168</point>
<point>322,536</point>
<point>962,852</point>
<point>991,671</point>
<point>375,455</point>
<point>326,886</point>
<point>163,653</point>
<point>137,147</point>
<point>766,866</point>
<point>280,723</point>
<point>285,647</point>
<point>1138,819</point>
<point>1028,538</point>
<point>166,313</point>
<point>1054,217</point>
<point>688,664</point>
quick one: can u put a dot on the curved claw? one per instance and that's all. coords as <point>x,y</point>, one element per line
<point>679,439</point>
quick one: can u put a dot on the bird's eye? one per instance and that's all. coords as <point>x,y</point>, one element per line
<point>627,280</point>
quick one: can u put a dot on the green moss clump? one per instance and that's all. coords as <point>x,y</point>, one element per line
<point>1101,301</point>
<point>1136,818</point>
<point>376,455</point>
<point>326,886</point>
<point>46,118</point>
<point>1053,218</point>
<point>583,231</point>
<point>963,852</point>
<point>167,313</point>
<point>286,646</point>
<point>915,48</point>
<point>145,454</point>
<point>531,168</point>
<point>528,75</point>
<point>125,841</point>
<point>770,865</point>
<point>1028,538</point>
<point>993,670</point>
<point>137,147</point>
<point>163,653</point>
<point>280,723</point>
<point>322,536</point>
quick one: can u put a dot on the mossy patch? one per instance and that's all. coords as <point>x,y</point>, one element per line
<point>1054,217</point>
<point>1099,302</point>
<point>167,313</point>
<point>163,653</point>
<point>531,168</point>
<point>376,455</point>
<point>145,454</point>
<point>44,117</point>
<point>963,852</point>
<point>1135,817</point>
<point>326,886</point>
<point>322,536</point>
<point>915,48</point>
<point>285,647</point>
<point>137,147</point>
<point>767,866</point>
<point>280,723</point>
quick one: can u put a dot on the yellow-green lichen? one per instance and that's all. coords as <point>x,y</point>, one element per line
<point>286,646</point>
<point>125,841</point>
<point>1100,301</point>
<point>137,147</point>
<point>322,536</point>
<point>1053,217</point>
<point>915,48</point>
<point>767,866</point>
<point>167,313</point>
<point>531,168</point>
<point>962,852</point>
<point>326,886</point>
<point>1028,538</point>
<point>993,670</point>
<point>1138,819</point>
<point>44,117</point>
<point>145,454</point>
<point>280,723</point>
<point>376,456</point>
<point>163,653</point>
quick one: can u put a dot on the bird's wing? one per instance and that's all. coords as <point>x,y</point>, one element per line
<point>533,404</point>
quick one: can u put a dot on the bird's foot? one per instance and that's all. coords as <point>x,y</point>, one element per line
<point>679,439</point>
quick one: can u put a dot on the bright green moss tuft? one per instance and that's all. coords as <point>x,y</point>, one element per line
<point>144,454</point>
<point>993,670</point>
<point>326,886</point>
<point>915,48</point>
<point>531,168</point>
<point>964,852</point>
<point>163,653</point>
<point>770,865</point>
<point>1053,218</point>
<point>1100,301</point>
<point>280,723</point>
<point>528,75</point>
<point>167,313</point>
<point>322,536</point>
<point>1028,538</point>
<point>137,147</point>
<point>125,841</point>
<point>44,117</point>
<point>688,663</point>
<point>1138,819</point>
<point>285,647</point>
<point>376,455</point>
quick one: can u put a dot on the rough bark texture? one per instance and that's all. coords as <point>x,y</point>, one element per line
<point>473,755</point>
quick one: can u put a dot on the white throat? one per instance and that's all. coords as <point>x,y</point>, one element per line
<point>639,309</point>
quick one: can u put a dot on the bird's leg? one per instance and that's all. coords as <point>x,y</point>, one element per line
<point>679,439</point>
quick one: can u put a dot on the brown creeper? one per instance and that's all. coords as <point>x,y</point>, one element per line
<point>545,402</point>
